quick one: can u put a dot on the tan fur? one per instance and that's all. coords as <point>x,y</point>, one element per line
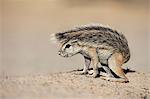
<point>94,60</point>
<point>115,62</point>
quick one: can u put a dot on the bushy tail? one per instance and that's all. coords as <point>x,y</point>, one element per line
<point>61,37</point>
<point>53,38</point>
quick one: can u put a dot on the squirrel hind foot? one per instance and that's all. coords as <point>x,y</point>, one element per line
<point>113,79</point>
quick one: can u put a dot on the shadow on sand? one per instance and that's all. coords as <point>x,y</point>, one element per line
<point>100,69</point>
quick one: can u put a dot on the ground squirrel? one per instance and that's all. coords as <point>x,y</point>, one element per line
<point>100,45</point>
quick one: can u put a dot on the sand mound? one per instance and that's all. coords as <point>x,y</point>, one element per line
<point>69,85</point>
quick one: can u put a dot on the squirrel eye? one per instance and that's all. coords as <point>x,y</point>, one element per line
<point>67,46</point>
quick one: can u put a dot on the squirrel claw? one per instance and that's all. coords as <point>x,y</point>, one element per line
<point>83,73</point>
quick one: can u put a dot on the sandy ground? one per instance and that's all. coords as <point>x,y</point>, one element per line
<point>70,85</point>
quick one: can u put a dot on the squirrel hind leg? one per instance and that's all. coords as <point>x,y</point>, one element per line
<point>113,79</point>
<point>115,62</point>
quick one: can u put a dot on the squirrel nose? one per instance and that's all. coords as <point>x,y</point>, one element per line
<point>59,52</point>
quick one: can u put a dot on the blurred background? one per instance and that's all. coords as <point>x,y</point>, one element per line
<point>26,26</point>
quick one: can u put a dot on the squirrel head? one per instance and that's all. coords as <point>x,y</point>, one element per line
<point>69,48</point>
